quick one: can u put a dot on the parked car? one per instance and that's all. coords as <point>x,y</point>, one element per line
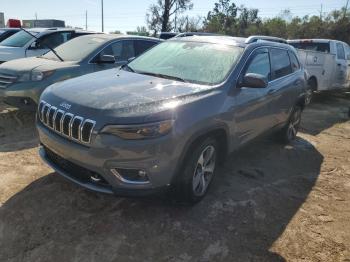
<point>326,61</point>
<point>166,35</point>
<point>23,80</point>
<point>23,44</point>
<point>7,32</point>
<point>171,115</point>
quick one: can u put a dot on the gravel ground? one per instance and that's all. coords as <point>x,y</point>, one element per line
<point>268,203</point>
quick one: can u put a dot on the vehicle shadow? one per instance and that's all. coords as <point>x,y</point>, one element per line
<point>253,198</point>
<point>17,130</point>
<point>326,110</point>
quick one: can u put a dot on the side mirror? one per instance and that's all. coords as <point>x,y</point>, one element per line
<point>254,81</point>
<point>131,59</point>
<point>106,59</point>
<point>348,57</point>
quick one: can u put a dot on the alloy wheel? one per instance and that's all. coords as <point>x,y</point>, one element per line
<point>204,171</point>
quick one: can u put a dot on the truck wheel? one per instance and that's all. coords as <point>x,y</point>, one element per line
<point>311,88</point>
<point>289,132</point>
<point>198,172</point>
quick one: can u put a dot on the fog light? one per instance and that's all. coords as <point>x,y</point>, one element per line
<point>131,176</point>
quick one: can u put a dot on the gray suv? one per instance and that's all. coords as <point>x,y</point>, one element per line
<point>170,116</point>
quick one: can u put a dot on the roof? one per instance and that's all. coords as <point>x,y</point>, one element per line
<point>10,29</point>
<point>108,37</point>
<point>310,40</point>
<point>230,40</point>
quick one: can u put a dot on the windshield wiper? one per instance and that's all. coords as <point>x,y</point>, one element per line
<point>49,47</point>
<point>163,76</point>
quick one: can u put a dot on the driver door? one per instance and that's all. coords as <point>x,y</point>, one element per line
<point>252,110</point>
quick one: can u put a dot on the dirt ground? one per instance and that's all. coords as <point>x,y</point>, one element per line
<point>268,203</point>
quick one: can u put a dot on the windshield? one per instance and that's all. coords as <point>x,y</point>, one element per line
<point>202,63</point>
<point>19,39</point>
<point>76,49</point>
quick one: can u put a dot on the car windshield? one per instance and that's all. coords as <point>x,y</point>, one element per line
<point>312,46</point>
<point>195,62</point>
<point>76,49</point>
<point>19,39</point>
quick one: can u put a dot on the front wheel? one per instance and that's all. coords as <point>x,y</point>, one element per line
<point>290,131</point>
<point>198,172</point>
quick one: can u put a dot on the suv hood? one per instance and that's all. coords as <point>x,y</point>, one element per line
<point>120,93</point>
<point>28,64</point>
<point>8,53</point>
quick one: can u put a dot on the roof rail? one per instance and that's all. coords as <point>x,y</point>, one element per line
<point>256,38</point>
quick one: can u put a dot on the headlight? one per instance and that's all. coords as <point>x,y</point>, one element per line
<point>38,75</point>
<point>34,76</point>
<point>137,132</point>
<point>24,77</point>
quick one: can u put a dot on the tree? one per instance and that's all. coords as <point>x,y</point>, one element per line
<point>189,24</point>
<point>222,18</point>
<point>159,17</point>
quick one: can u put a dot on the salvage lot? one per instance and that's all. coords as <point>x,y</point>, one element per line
<point>268,203</point>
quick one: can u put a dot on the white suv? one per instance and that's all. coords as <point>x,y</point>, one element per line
<point>23,44</point>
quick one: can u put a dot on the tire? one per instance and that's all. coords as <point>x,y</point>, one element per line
<point>194,182</point>
<point>311,88</point>
<point>290,131</point>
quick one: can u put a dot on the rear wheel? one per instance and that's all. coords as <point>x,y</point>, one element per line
<point>311,88</point>
<point>198,172</point>
<point>290,131</point>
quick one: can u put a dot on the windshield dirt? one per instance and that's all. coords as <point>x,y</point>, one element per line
<point>196,62</point>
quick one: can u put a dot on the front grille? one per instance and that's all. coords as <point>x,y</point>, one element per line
<point>6,80</point>
<point>75,171</point>
<point>66,124</point>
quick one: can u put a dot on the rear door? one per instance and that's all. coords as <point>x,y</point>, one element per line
<point>283,89</point>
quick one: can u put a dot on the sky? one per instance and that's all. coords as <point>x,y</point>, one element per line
<point>126,15</point>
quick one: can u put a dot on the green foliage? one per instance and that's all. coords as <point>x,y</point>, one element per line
<point>227,18</point>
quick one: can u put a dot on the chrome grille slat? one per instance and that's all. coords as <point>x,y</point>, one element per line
<point>66,124</point>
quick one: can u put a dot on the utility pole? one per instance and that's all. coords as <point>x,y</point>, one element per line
<point>346,8</point>
<point>36,16</point>
<point>321,12</point>
<point>86,27</point>
<point>103,26</point>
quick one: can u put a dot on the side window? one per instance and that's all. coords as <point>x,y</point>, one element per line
<point>294,62</point>
<point>121,50</point>
<point>54,40</point>
<point>142,46</point>
<point>260,64</point>
<point>340,51</point>
<point>280,63</point>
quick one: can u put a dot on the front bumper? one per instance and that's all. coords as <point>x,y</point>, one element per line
<point>156,157</point>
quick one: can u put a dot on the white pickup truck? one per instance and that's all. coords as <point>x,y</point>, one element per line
<point>326,61</point>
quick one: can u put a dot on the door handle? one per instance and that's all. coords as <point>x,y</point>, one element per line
<point>271,91</point>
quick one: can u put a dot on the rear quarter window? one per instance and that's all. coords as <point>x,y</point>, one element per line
<point>340,51</point>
